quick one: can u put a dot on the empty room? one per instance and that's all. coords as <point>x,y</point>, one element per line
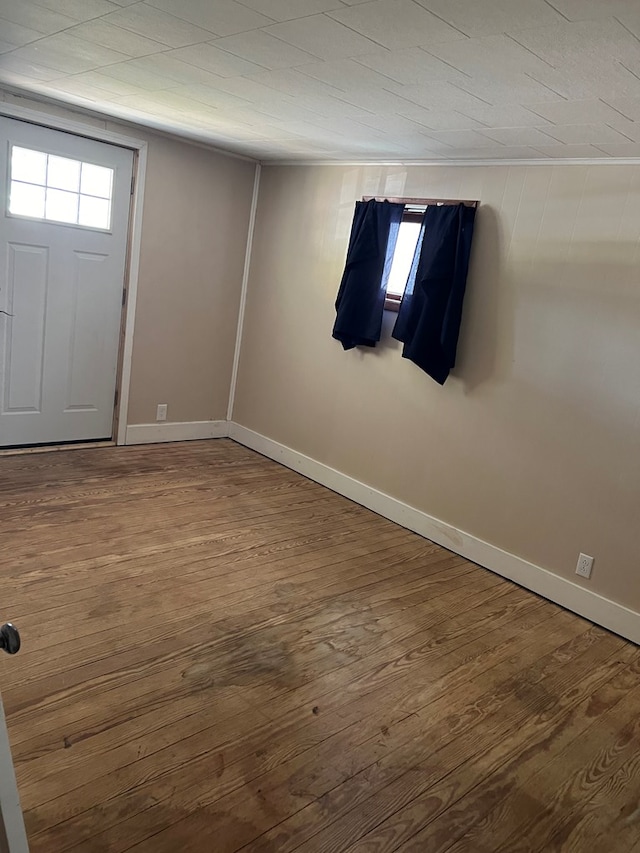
<point>319,426</point>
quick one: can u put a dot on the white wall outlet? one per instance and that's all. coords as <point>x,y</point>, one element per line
<point>585,564</point>
<point>161,412</point>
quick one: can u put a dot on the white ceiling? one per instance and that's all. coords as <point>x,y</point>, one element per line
<point>347,79</point>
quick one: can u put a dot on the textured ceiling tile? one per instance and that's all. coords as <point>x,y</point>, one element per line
<point>584,10</point>
<point>329,107</point>
<point>81,10</point>
<point>501,152</point>
<point>277,134</point>
<point>140,78</point>
<point>16,35</point>
<point>396,23</point>
<point>580,134</point>
<point>105,84</point>
<point>263,49</point>
<point>167,65</point>
<point>222,17</point>
<point>34,17</point>
<point>576,112</point>
<point>211,96</point>
<point>378,102</point>
<point>346,74</point>
<point>572,42</point>
<point>235,118</point>
<point>511,89</point>
<point>106,35</point>
<point>319,106</point>
<point>411,149</point>
<point>628,128</point>
<point>303,129</point>
<point>489,17</point>
<point>58,89</point>
<point>577,152</point>
<point>268,89</point>
<point>622,149</point>
<point>322,37</point>
<point>157,25</point>
<point>395,124</point>
<point>19,68</point>
<point>250,90</point>
<point>488,55</point>
<point>287,10</point>
<point>628,107</point>
<point>437,119</point>
<point>578,81</point>
<point>76,86</point>
<point>519,136</point>
<point>630,17</point>
<point>216,61</point>
<point>293,111</point>
<point>463,139</point>
<point>511,115</point>
<point>291,82</point>
<point>632,65</point>
<point>152,112</point>
<point>439,96</point>
<point>66,53</point>
<point>164,101</point>
<point>410,66</point>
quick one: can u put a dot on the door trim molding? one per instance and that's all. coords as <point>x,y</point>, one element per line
<point>11,820</point>
<point>101,134</point>
<point>79,128</point>
<point>135,231</point>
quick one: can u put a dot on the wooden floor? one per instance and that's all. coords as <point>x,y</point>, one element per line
<point>220,655</point>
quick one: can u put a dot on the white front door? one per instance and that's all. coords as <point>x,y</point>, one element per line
<point>63,241</point>
<point>13,838</point>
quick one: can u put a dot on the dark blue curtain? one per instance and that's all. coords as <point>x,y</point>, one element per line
<point>431,309</point>
<point>360,300</point>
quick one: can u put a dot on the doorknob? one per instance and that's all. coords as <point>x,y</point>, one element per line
<point>9,639</point>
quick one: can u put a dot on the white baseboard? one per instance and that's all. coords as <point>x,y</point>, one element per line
<point>167,431</point>
<point>564,592</point>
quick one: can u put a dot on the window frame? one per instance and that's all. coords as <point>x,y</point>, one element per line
<point>46,186</point>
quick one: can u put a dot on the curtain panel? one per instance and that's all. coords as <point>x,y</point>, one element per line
<point>360,300</point>
<point>429,318</point>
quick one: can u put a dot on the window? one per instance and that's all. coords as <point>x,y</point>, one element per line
<point>403,256</point>
<point>59,189</point>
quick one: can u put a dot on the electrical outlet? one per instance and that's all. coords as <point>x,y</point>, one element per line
<point>161,412</point>
<point>585,564</point>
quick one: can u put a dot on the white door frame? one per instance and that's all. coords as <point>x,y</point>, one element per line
<point>135,228</point>
<point>11,821</point>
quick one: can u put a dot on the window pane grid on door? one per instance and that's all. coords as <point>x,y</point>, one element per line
<point>60,189</point>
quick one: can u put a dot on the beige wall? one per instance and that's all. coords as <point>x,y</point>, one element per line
<point>534,444</point>
<point>196,215</point>
<point>194,234</point>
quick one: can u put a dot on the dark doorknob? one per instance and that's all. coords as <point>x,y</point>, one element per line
<point>9,639</point>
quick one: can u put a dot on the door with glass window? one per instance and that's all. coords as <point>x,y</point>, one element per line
<point>63,243</point>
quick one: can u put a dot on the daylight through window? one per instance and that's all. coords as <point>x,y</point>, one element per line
<point>403,257</point>
<point>59,189</point>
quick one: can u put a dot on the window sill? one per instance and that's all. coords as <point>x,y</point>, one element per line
<point>392,303</point>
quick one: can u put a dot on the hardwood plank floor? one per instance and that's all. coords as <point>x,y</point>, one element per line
<point>220,655</point>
